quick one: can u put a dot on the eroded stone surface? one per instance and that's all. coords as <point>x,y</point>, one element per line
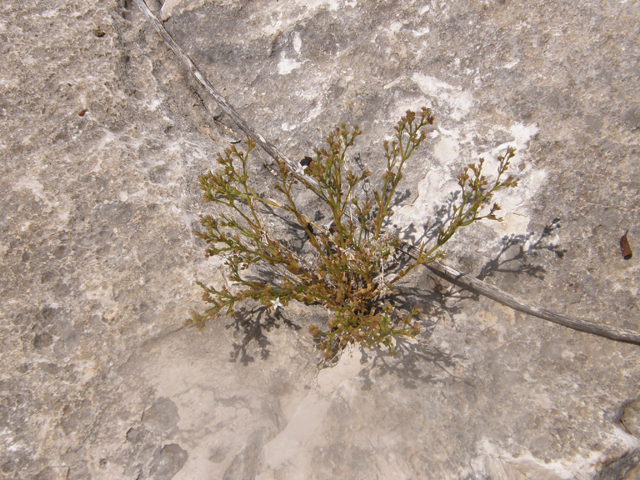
<point>103,135</point>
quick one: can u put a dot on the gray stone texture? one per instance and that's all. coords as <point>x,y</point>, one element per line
<point>103,135</point>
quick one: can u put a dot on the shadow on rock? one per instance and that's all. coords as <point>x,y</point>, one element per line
<point>251,325</point>
<point>409,363</point>
<point>517,251</point>
<point>430,229</point>
<point>411,357</point>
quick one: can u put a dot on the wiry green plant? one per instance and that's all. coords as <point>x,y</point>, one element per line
<point>356,262</point>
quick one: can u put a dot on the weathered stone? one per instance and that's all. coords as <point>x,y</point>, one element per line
<point>102,138</point>
<point>161,416</point>
<point>168,462</point>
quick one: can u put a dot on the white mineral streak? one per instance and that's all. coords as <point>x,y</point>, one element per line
<point>313,4</point>
<point>501,465</point>
<point>96,153</point>
<point>102,294</point>
<point>167,8</point>
<point>287,65</point>
<point>315,111</point>
<point>457,99</point>
<point>176,7</point>
<point>33,186</point>
<point>297,42</point>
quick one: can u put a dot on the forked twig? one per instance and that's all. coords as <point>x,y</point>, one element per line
<point>448,273</point>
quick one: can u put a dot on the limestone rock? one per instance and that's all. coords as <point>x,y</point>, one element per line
<point>103,135</point>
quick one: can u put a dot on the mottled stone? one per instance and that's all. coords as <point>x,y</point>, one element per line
<point>103,135</point>
<point>168,462</point>
<point>161,416</point>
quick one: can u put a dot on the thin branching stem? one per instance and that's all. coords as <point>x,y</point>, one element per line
<point>355,263</point>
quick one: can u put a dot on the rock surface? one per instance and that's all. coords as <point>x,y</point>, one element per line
<point>102,138</point>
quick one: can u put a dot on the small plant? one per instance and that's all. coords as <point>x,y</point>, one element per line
<point>355,262</point>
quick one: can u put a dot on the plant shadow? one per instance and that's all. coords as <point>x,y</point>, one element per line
<point>409,363</point>
<point>410,355</point>
<point>428,232</point>
<point>517,251</point>
<point>251,324</point>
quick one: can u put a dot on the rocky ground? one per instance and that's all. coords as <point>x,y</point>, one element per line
<point>103,135</point>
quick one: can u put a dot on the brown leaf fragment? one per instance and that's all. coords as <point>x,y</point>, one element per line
<point>624,246</point>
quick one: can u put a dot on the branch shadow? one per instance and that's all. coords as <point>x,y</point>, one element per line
<point>517,251</point>
<point>408,364</point>
<point>410,355</point>
<point>293,228</point>
<point>251,325</point>
<point>429,231</point>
